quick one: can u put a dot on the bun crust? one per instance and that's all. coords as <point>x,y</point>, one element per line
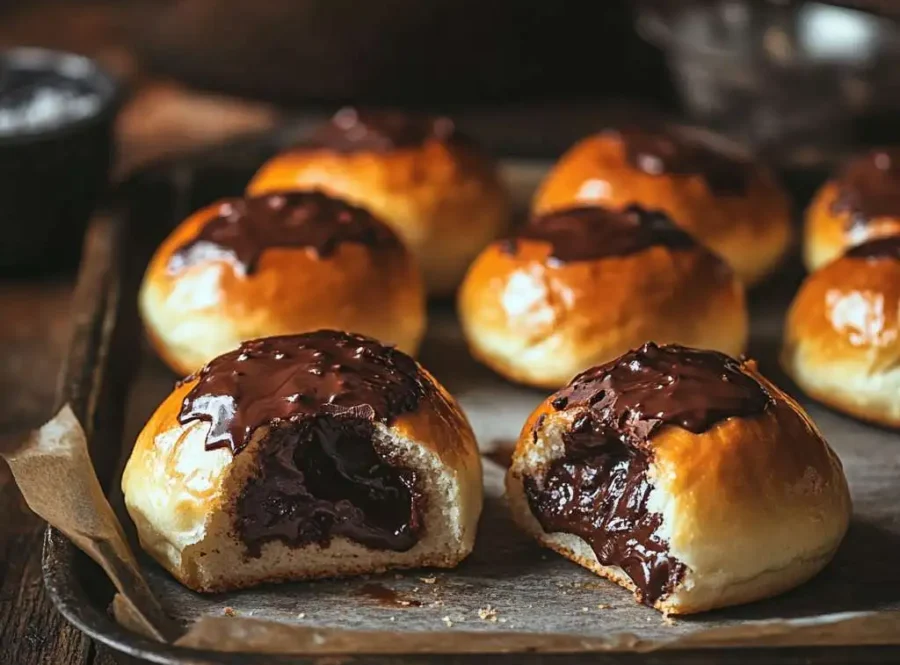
<point>183,499</point>
<point>842,338</point>
<point>540,324</point>
<point>208,308</point>
<point>444,200</point>
<point>725,496</point>
<point>751,230</point>
<point>828,233</point>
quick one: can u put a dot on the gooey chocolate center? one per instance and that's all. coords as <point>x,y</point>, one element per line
<point>320,472</point>
<point>322,477</point>
<point>600,489</point>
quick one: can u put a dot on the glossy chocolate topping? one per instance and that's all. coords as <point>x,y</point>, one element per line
<point>297,377</point>
<point>869,187</point>
<point>242,229</point>
<point>879,248</point>
<point>599,490</point>
<point>352,130</point>
<point>591,233</point>
<point>660,151</point>
<point>322,477</point>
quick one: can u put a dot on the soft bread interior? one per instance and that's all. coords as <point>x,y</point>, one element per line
<point>207,554</point>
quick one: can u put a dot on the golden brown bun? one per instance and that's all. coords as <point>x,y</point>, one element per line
<point>752,231</point>
<point>540,324</point>
<point>842,338</point>
<point>752,507</point>
<point>445,200</point>
<point>182,498</point>
<point>827,234</point>
<point>209,308</point>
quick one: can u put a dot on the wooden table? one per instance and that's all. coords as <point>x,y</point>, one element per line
<point>160,118</point>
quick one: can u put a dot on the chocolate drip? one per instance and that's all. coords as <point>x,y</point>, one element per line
<point>599,490</point>
<point>296,377</point>
<point>659,151</point>
<point>242,229</point>
<point>591,233</point>
<point>869,188</point>
<point>603,499</point>
<point>880,248</point>
<point>352,130</point>
<point>322,477</point>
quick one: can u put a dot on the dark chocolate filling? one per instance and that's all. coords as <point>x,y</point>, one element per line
<point>322,477</point>
<point>869,188</point>
<point>603,499</point>
<point>599,489</point>
<point>242,229</point>
<point>353,130</point>
<point>658,151</point>
<point>591,233</point>
<point>879,248</point>
<point>320,474</point>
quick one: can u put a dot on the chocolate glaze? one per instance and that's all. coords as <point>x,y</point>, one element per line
<point>599,490</point>
<point>353,130</point>
<point>295,377</point>
<point>243,228</point>
<point>879,248</point>
<point>322,477</point>
<point>657,151</point>
<point>869,188</point>
<point>591,233</point>
<point>320,473</point>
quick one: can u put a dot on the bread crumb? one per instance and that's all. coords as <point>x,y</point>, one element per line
<point>604,606</point>
<point>488,613</point>
<point>584,609</point>
<point>447,621</point>
<point>229,612</point>
<point>437,603</point>
<point>393,618</point>
<point>428,580</point>
<point>502,619</point>
<point>667,620</point>
<point>302,615</point>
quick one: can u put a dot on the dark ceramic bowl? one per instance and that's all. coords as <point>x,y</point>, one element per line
<point>56,147</point>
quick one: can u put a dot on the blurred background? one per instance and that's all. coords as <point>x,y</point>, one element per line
<point>797,81</point>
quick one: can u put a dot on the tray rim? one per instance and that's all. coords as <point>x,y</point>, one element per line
<point>103,302</point>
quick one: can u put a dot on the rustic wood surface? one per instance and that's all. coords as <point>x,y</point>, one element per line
<point>160,118</point>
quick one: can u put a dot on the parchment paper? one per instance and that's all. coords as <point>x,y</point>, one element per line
<point>510,595</point>
<point>510,587</point>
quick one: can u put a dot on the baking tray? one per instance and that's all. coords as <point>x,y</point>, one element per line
<point>114,383</point>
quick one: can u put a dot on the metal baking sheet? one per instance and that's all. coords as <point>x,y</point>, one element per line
<point>508,584</point>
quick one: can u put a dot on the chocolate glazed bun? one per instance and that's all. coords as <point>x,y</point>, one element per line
<point>304,456</point>
<point>842,333</point>
<point>860,204</point>
<point>278,264</point>
<point>731,205</point>
<point>440,193</point>
<point>683,476</point>
<point>581,286</point>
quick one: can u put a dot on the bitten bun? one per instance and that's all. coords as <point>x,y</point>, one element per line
<point>842,333</point>
<point>316,455</point>
<point>278,264</point>
<point>581,286</point>
<point>862,202</point>
<point>683,476</point>
<point>734,207</point>
<point>440,193</point>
